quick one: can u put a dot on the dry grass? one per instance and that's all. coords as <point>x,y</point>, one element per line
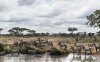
<point>70,40</point>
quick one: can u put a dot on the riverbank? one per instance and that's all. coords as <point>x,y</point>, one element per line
<point>39,45</point>
<point>30,49</point>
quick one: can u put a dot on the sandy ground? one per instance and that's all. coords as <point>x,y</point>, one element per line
<point>11,40</point>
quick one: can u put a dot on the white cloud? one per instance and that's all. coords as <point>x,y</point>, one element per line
<point>47,15</point>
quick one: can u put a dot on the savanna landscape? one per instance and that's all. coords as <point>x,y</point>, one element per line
<point>63,42</point>
<point>49,31</point>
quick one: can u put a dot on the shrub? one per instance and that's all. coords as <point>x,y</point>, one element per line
<point>55,51</point>
<point>39,51</point>
<point>24,49</point>
<point>1,47</point>
<point>7,49</point>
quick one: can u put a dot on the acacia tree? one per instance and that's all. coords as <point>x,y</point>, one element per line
<point>72,29</point>
<point>17,31</point>
<point>21,30</point>
<point>31,32</point>
<point>98,33</point>
<point>11,32</point>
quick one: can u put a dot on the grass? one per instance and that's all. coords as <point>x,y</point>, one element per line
<point>54,51</point>
<point>7,49</point>
<point>1,47</point>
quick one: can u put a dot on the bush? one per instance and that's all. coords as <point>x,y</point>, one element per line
<point>39,51</point>
<point>55,51</point>
<point>1,47</point>
<point>7,49</point>
<point>24,49</point>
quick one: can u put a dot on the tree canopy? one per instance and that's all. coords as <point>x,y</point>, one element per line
<point>94,19</point>
<point>72,29</point>
<point>17,30</point>
<point>31,31</point>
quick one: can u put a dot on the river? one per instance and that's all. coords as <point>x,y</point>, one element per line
<point>48,58</point>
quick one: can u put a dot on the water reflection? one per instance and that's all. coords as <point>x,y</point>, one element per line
<point>81,58</point>
<point>48,58</point>
<point>1,59</point>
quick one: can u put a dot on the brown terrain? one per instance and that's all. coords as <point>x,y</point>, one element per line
<point>65,40</point>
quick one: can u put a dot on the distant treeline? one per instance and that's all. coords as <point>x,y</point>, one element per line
<point>17,31</point>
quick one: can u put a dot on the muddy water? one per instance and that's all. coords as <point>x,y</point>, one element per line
<point>47,58</point>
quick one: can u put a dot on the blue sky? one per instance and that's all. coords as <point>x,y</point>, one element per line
<point>47,15</point>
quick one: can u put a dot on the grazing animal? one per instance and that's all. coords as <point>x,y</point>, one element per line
<point>62,45</point>
<point>40,43</point>
<point>50,44</point>
<point>35,43</point>
<point>97,47</point>
<point>73,49</point>
<point>76,49</point>
<point>15,43</point>
<point>87,49</point>
<point>15,51</point>
<point>31,51</point>
<point>23,43</point>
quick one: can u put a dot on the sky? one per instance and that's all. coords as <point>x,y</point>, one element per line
<point>51,16</point>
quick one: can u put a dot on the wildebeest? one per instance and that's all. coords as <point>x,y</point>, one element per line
<point>40,43</point>
<point>97,47</point>
<point>89,49</point>
<point>31,51</point>
<point>62,45</point>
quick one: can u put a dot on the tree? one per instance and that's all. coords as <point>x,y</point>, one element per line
<point>91,34</point>
<point>17,31</point>
<point>42,34</point>
<point>21,30</point>
<point>47,34</point>
<point>12,32</point>
<point>62,34</point>
<point>72,29</point>
<point>77,36</point>
<point>1,30</point>
<point>31,32</point>
<point>98,33</point>
<point>94,19</point>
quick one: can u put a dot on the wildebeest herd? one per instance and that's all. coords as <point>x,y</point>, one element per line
<point>44,45</point>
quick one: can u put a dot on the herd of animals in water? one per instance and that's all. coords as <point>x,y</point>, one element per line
<point>40,45</point>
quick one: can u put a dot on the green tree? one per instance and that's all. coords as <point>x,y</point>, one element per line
<point>17,31</point>
<point>91,34</point>
<point>94,19</point>
<point>98,33</point>
<point>31,32</point>
<point>12,32</point>
<point>72,29</point>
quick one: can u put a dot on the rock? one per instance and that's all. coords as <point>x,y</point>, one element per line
<point>2,53</point>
